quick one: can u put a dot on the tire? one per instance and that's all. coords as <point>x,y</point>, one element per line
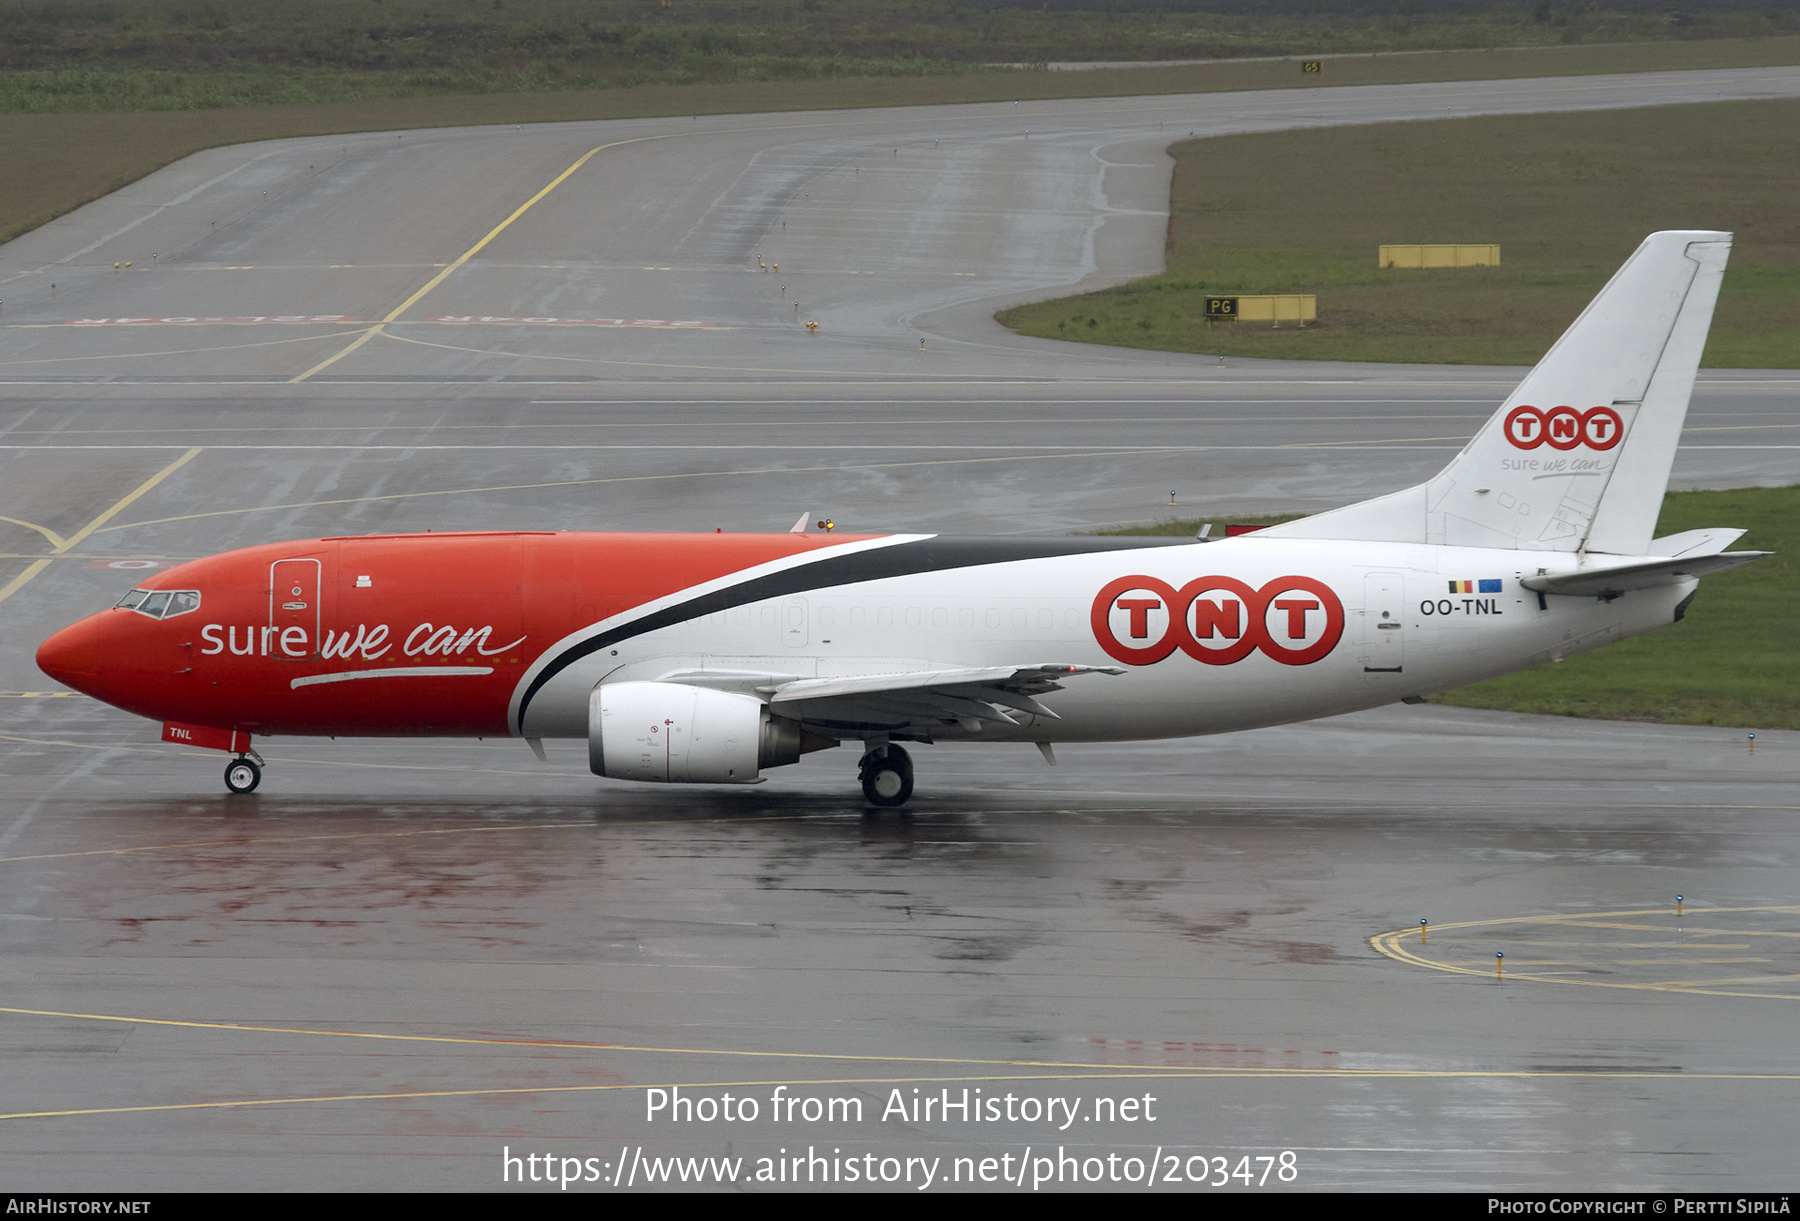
<point>242,776</point>
<point>887,777</point>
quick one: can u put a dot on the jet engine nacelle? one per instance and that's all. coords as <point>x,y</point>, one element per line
<point>672,733</point>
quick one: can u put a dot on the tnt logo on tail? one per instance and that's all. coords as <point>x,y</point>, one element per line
<point>1564,427</point>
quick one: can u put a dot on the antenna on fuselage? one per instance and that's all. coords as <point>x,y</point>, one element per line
<point>800,526</point>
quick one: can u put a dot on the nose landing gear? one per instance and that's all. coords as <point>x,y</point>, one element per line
<point>886,773</point>
<point>243,774</point>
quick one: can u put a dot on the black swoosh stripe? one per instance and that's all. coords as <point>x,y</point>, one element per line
<point>936,554</point>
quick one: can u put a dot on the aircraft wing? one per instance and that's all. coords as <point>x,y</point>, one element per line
<point>1620,578</point>
<point>969,696</point>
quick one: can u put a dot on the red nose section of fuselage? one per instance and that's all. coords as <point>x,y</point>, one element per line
<point>72,656</point>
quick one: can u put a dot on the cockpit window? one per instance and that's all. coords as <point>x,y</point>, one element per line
<point>161,603</point>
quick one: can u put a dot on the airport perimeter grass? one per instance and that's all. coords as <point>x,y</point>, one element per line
<point>1733,660</point>
<point>1567,197</point>
<point>57,162</point>
<point>1185,527</point>
<point>101,55</point>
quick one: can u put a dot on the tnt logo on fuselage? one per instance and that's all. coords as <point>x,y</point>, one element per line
<point>1564,427</point>
<point>1217,620</point>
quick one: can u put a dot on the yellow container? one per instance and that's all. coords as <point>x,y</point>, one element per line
<point>1278,308</point>
<point>1439,256</point>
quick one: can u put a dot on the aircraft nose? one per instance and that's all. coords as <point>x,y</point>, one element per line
<point>72,656</point>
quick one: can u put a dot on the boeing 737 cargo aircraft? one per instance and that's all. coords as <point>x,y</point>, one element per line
<point>705,659</point>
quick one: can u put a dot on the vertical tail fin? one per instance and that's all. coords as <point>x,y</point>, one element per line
<point>1578,456</point>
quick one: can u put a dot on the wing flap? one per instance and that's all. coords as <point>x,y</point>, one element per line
<point>968,696</point>
<point>1025,680</point>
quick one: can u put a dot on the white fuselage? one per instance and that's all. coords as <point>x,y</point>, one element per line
<point>1407,628</point>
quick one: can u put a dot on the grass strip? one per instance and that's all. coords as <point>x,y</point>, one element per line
<point>1566,196</point>
<point>179,54</point>
<point>1188,527</point>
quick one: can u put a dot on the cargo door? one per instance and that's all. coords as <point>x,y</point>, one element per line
<point>1383,644</point>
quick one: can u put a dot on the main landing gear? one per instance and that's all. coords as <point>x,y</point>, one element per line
<point>886,773</point>
<point>243,774</point>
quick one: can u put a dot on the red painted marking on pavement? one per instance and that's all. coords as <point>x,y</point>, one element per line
<point>546,321</point>
<point>251,319</point>
<point>189,321</point>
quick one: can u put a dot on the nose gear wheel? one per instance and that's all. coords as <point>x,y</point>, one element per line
<point>242,776</point>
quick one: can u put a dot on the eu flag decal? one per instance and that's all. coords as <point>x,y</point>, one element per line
<point>1488,586</point>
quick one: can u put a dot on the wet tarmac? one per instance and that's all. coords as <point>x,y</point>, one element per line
<point>399,964</point>
<point>398,960</point>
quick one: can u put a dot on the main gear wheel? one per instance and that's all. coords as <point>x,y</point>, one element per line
<point>887,776</point>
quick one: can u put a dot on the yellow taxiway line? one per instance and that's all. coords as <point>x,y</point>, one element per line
<point>119,506</point>
<point>393,315</point>
<point>1391,945</point>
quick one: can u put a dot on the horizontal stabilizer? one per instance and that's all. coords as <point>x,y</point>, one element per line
<point>1695,542</point>
<point>1622,578</point>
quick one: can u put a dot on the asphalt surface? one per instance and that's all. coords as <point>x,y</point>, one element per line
<point>399,961</point>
